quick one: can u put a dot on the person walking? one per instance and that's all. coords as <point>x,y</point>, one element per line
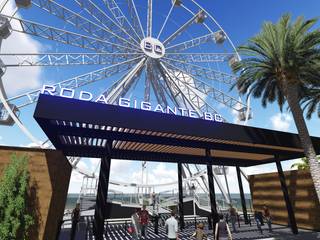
<point>233,217</point>
<point>267,217</point>
<point>257,218</point>
<point>75,217</point>
<point>144,221</point>
<point>222,230</point>
<point>136,224</point>
<point>199,234</point>
<point>171,226</point>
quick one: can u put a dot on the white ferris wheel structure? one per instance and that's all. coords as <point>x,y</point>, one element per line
<point>170,52</point>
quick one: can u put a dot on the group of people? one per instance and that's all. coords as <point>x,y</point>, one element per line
<point>259,218</point>
<point>140,221</point>
<point>222,231</point>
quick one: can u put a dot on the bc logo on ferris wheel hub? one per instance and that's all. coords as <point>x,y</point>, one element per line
<point>152,47</point>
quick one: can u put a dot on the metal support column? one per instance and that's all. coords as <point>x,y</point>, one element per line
<point>102,195</point>
<point>181,214</point>
<point>292,219</point>
<point>212,196</point>
<point>243,199</point>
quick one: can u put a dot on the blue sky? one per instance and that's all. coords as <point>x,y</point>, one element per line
<point>240,19</point>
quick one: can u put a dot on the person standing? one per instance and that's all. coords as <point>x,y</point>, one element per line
<point>136,224</point>
<point>171,226</point>
<point>199,233</point>
<point>257,218</point>
<point>222,230</point>
<point>75,217</point>
<point>144,220</point>
<point>233,217</point>
<point>267,217</point>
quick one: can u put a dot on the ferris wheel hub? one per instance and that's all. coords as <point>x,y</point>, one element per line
<point>152,47</point>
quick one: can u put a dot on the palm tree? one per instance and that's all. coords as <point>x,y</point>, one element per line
<point>282,63</point>
<point>303,164</point>
<point>312,102</point>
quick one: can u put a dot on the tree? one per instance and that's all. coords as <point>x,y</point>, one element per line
<point>14,218</point>
<point>282,63</point>
<point>303,164</point>
<point>312,102</point>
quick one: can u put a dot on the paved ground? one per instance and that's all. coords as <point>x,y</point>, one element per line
<point>245,232</point>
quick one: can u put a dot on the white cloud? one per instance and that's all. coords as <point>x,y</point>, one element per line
<point>119,168</point>
<point>20,79</point>
<point>235,113</point>
<point>281,121</point>
<point>221,106</point>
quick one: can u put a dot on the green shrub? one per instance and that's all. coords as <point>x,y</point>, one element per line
<point>14,218</point>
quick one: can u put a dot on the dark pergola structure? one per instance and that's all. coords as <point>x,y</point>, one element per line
<point>89,129</point>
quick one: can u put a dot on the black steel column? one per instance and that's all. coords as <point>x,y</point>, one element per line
<point>243,199</point>
<point>211,191</point>
<point>292,219</point>
<point>102,195</point>
<point>181,214</point>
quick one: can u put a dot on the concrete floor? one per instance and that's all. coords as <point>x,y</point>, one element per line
<point>245,232</point>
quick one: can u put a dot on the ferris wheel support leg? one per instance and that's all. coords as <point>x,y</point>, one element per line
<point>212,195</point>
<point>243,199</point>
<point>101,212</point>
<point>223,191</point>
<point>181,213</point>
<point>227,184</point>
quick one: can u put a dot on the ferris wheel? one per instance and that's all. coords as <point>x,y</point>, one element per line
<point>165,52</point>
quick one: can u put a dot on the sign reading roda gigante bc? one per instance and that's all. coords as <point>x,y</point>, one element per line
<point>125,102</point>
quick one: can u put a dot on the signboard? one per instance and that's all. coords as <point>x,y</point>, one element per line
<point>125,102</point>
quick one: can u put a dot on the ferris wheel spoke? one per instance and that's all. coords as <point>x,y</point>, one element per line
<point>180,92</point>
<point>149,18</point>
<point>201,57</point>
<point>102,18</point>
<point>66,37</point>
<point>120,17</point>
<point>207,38</point>
<point>180,30</point>
<point>135,17</point>
<point>147,84</point>
<point>195,97</point>
<point>113,86</point>
<point>165,21</point>
<point>171,90</point>
<point>76,82</point>
<point>202,72</point>
<point>80,22</point>
<point>63,59</point>
<point>157,86</point>
<point>164,84</point>
<point>122,87</point>
<point>127,81</point>
<point>3,4</point>
<point>208,90</point>
<point>75,161</point>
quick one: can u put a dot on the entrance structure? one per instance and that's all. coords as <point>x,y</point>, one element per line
<point>89,129</point>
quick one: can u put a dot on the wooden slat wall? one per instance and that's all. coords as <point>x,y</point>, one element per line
<point>266,190</point>
<point>50,173</point>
